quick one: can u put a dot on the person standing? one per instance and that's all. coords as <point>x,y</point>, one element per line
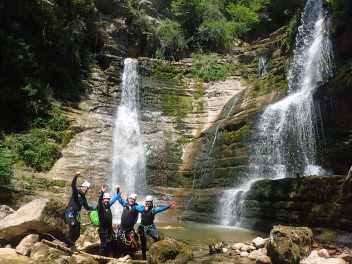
<point>105,221</point>
<point>147,226</point>
<point>72,212</point>
<point>127,242</point>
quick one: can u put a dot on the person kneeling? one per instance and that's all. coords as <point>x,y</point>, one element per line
<point>147,226</point>
<point>105,221</point>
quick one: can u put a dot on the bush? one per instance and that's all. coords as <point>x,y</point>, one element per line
<point>207,68</point>
<point>173,43</point>
<point>6,165</point>
<point>216,35</point>
<point>38,148</point>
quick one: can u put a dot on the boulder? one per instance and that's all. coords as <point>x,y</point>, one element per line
<point>314,258</point>
<point>80,259</point>
<point>42,253</point>
<point>323,253</point>
<point>263,260</point>
<point>25,246</point>
<point>259,242</point>
<point>39,216</point>
<point>288,244</point>
<point>257,253</point>
<point>237,246</point>
<point>244,254</point>
<point>88,240</point>
<point>9,256</point>
<point>5,211</point>
<point>169,251</point>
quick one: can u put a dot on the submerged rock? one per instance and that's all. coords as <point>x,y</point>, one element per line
<point>288,244</point>
<point>39,216</point>
<point>169,251</point>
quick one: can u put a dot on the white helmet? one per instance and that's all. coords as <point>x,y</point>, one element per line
<point>86,184</point>
<point>106,196</point>
<point>133,196</point>
<point>149,198</point>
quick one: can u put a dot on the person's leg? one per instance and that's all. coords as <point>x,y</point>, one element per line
<point>154,233</point>
<point>104,240</point>
<point>143,239</point>
<point>74,233</point>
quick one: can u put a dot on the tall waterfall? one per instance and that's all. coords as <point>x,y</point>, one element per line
<point>286,133</point>
<point>128,163</point>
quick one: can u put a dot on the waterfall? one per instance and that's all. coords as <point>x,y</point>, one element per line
<point>262,66</point>
<point>286,132</point>
<point>128,161</point>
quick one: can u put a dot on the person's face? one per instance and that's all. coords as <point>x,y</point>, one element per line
<point>149,204</point>
<point>131,201</point>
<point>84,189</point>
<point>106,201</point>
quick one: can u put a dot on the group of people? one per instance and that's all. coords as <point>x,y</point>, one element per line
<point>125,239</point>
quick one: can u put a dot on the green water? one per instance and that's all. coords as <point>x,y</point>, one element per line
<point>195,233</point>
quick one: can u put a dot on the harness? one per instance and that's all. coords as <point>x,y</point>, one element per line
<point>127,238</point>
<point>147,228</point>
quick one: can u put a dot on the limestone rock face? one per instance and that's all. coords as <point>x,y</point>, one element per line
<point>39,216</point>
<point>25,246</point>
<point>169,251</point>
<point>9,256</point>
<point>288,244</point>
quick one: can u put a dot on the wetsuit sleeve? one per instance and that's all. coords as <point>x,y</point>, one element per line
<point>139,208</point>
<point>100,204</point>
<point>160,209</point>
<point>86,205</point>
<point>74,188</point>
<point>117,197</point>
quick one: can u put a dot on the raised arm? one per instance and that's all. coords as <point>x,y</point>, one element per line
<point>139,208</point>
<point>74,186</point>
<point>160,209</point>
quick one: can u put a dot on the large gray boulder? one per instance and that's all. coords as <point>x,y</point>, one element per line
<point>39,216</point>
<point>169,251</point>
<point>287,244</point>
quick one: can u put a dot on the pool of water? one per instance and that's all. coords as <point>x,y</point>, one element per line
<point>195,233</point>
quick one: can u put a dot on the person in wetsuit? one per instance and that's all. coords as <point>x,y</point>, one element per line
<point>105,221</point>
<point>77,200</point>
<point>147,226</point>
<point>126,241</point>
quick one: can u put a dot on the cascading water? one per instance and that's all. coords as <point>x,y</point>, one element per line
<point>262,66</point>
<point>286,133</point>
<point>128,162</point>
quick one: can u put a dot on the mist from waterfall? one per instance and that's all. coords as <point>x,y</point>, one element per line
<point>287,131</point>
<point>128,161</point>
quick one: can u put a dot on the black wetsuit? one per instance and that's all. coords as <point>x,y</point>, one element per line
<point>74,207</point>
<point>148,228</point>
<point>105,225</point>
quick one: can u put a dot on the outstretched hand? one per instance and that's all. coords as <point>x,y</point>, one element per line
<point>118,188</point>
<point>104,188</point>
<point>173,204</point>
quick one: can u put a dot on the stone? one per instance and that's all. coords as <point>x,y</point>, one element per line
<point>263,260</point>
<point>5,210</point>
<point>346,257</point>
<point>89,239</point>
<point>259,242</point>
<point>225,250</point>
<point>257,253</point>
<point>247,248</point>
<point>244,254</point>
<point>39,216</point>
<point>314,258</point>
<point>80,259</point>
<point>237,246</point>
<point>26,244</point>
<point>323,253</point>
<point>288,244</point>
<point>169,250</point>
<point>42,253</point>
<point>9,256</point>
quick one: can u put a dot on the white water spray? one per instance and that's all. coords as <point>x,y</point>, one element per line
<point>286,133</point>
<point>128,163</point>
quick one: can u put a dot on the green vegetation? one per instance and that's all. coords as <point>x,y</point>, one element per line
<point>40,147</point>
<point>6,165</point>
<point>207,67</point>
<point>45,52</point>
